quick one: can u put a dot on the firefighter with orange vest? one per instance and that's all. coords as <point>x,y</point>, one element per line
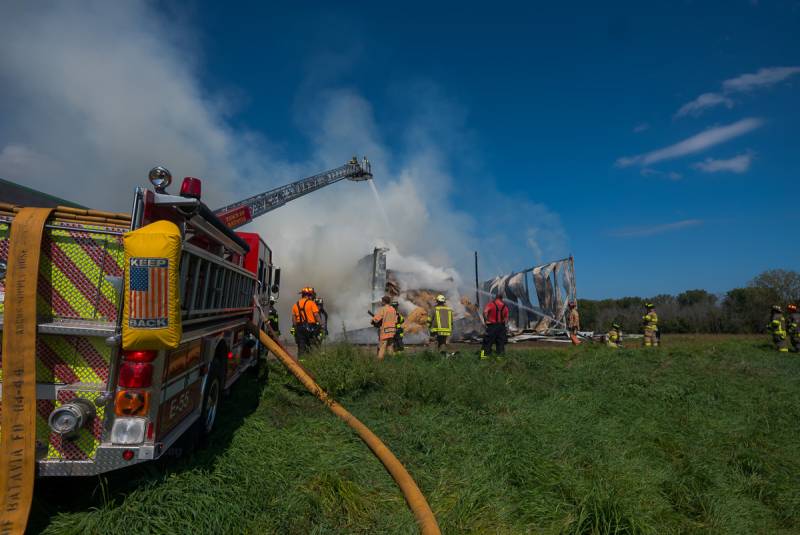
<point>386,322</point>
<point>495,314</point>
<point>306,321</point>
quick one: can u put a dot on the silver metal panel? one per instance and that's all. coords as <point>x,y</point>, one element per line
<point>75,327</point>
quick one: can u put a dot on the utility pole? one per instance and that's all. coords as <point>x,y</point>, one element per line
<point>477,288</point>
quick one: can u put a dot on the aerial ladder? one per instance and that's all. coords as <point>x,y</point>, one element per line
<point>242,212</point>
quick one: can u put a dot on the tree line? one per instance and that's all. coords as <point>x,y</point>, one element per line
<point>740,310</point>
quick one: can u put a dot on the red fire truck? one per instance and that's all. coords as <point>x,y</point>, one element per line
<point>107,396</point>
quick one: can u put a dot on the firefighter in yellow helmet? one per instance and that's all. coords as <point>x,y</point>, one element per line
<point>793,326</point>
<point>400,330</point>
<point>305,321</point>
<point>614,336</point>
<point>440,323</point>
<point>777,328</point>
<point>650,326</point>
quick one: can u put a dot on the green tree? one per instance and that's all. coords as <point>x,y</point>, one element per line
<point>695,297</point>
<point>785,283</point>
<point>746,310</point>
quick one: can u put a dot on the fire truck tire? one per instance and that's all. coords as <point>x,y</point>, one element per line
<point>212,398</point>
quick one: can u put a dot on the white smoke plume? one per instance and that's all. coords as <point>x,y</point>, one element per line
<point>92,97</point>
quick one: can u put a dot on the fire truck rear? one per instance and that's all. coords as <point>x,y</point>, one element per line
<point>142,325</point>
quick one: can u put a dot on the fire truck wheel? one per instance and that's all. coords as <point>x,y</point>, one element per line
<point>212,397</point>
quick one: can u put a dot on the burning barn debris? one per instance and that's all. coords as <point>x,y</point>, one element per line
<point>537,298</point>
<point>415,285</point>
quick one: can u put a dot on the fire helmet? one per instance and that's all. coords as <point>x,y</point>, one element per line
<point>440,298</point>
<point>307,291</point>
<point>395,303</point>
<point>649,305</point>
<point>319,301</point>
<point>776,308</point>
<point>791,307</point>
<point>272,299</point>
<point>616,326</point>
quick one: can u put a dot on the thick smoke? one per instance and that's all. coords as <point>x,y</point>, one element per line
<point>91,98</point>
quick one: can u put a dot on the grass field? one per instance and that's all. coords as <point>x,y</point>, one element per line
<point>700,436</point>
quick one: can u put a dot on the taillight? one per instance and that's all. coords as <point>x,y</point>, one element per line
<point>135,374</point>
<point>133,355</point>
<point>132,403</point>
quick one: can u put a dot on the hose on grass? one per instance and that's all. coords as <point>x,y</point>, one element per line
<point>416,501</point>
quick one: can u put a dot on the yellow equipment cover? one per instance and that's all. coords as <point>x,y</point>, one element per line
<point>152,313</point>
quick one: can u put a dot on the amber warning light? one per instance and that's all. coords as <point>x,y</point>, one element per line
<point>237,217</point>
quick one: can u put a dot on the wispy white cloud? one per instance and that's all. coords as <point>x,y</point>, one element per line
<point>697,143</point>
<point>762,78</point>
<point>672,175</point>
<point>652,230</point>
<point>704,102</point>
<point>744,83</point>
<point>738,164</point>
<point>641,127</point>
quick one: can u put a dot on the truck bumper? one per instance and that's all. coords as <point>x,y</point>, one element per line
<point>108,457</point>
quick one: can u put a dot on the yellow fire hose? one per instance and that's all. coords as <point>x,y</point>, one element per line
<point>416,501</point>
<point>18,442</point>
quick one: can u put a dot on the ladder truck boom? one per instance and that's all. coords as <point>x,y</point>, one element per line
<point>242,212</point>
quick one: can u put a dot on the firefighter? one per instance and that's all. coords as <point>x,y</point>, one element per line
<point>272,317</point>
<point>614,336</point>
<point>573,323</point>
<point>400,330</point>
<point>440,323</point>
<point>777,327</point>
<point>495,315</point>
<point>793,327</point>
<point>323,316</point>
<point>386,322</point>
<point>305,321</point>
<point>650,326</point>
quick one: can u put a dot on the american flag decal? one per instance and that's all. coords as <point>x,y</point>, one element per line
<point>148,293</point>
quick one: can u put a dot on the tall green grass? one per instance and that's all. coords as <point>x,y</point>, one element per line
<point>700,436</point>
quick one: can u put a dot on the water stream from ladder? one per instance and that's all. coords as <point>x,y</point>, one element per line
<point>379,202</point>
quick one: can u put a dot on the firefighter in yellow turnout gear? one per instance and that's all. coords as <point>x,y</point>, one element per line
<point>614,336</point>
<point>440,323</point>
<point>777,328</point>
<point>793,327</point>
<point>650,326</point>
<point>400,330</point>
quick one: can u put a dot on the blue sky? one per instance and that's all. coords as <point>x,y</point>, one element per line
<point>550,97</point>
<point>655,141</point>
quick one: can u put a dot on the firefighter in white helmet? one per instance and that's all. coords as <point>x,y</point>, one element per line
<point>440,323</point>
